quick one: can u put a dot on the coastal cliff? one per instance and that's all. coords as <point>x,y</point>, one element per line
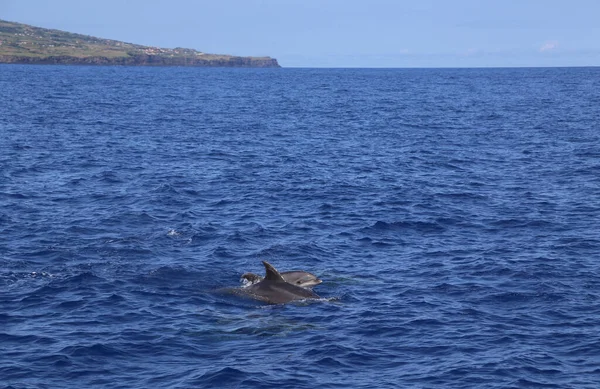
<point>24,44</point>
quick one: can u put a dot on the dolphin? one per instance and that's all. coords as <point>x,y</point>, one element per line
<point>296,277</point>
<point>273,289</point>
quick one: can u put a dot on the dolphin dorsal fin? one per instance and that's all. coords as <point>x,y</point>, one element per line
<point>272,273</point>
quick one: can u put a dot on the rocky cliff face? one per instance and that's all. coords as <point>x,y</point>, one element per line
<point>146,60</point>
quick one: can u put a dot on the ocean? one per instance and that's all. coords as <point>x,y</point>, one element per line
<point>452,214</point>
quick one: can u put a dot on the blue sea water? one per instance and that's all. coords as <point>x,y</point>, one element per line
<point>453,215</point>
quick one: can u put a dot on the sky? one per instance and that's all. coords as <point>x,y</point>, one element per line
<point>341,33</point>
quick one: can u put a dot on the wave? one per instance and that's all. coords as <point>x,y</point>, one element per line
<point>417,226</point>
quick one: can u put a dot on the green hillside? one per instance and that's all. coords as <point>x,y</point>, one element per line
<point>21,43</point>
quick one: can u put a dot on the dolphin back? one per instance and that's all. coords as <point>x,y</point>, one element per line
<point>279,292</point>
<point>274,289</point>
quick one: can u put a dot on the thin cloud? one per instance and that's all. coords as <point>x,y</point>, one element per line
<point>548,46</point>
<point>471,52</point>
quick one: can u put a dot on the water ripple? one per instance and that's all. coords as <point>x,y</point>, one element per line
<point>452,214</point>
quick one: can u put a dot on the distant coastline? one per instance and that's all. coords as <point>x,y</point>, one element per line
<point>25,44</point>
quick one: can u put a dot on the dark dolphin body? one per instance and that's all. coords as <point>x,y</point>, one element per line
<point>273,289</point>
<point>296,277</point>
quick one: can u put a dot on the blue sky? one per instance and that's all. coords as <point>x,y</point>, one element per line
<point>341,33</point>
